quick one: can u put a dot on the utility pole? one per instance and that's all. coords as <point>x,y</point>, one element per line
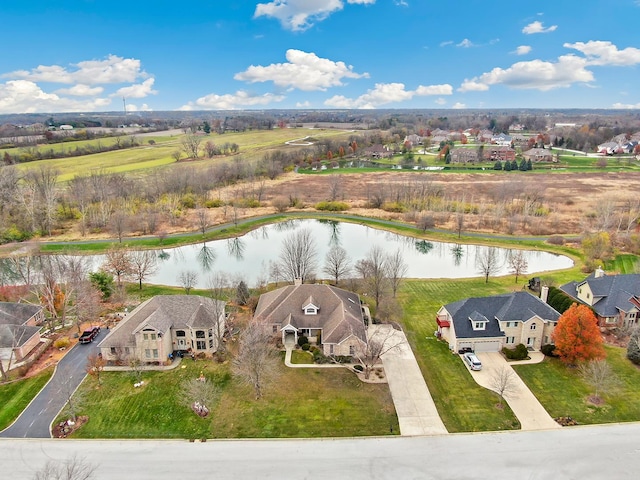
<point>124,103</point>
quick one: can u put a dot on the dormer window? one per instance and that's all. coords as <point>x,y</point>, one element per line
<point>478,321</point>
<point>311,310</point>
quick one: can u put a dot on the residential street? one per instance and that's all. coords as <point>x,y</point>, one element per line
<point>35,421</point>
<point>584,453</point>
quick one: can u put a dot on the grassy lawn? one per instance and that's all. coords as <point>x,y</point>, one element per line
<point>301,357</point>
<point>304,403</point>
<point>625,263</point>
<point>563,392</point>
<point>15,396</point>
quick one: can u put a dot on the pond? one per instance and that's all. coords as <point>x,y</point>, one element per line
<point>251,256</point>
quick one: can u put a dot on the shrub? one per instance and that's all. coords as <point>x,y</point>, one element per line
<point>520,352</point>
<point>281,204</point>
<point>556,240</point>
<point>549,350</point>
<point>188,200</point>
<point>633,349</point>
<point>358,367</point>
<point>302,340</point>
<point>62,342</point>
<point>305,347</point>
<point>559,300</point>
<point>396,207</point>
<point>214,203</point>
<point>332,206</point>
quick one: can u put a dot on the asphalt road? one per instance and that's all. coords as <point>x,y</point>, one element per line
<point>35,421</point>
<point>578,453</point>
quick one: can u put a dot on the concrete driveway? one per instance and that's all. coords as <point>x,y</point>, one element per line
<point>35,421</point>
<point>524,404</point>
<point>417,413</point>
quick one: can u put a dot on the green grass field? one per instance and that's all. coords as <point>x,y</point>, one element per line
<point>15,396</point>
<point>563,392</point>
<point>303,403</point>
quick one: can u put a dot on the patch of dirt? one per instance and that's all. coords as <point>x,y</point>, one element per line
<point>66,428</point>
<point>595,400</point>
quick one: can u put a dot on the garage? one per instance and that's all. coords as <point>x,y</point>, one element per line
<point>486,346</point>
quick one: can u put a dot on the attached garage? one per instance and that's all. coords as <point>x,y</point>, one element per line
<point>486,346</point>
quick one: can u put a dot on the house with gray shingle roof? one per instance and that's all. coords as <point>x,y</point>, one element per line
<point>19,331</point>
<point>614,298</point>
<point>329,316</point>
<point>165,324</point>
<point>487,324</point>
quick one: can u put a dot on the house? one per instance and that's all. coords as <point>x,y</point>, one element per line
<point>487,324</point>
<point>328,316</point>
<point>614,298</point>
<point>501,140</point>
<point>497,152</point>
<point>378,151</point>
<point>464,155</point>
<point>19,331</point>
<point>165,324</point>
<point>539,155</point>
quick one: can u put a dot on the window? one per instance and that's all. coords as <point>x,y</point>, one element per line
<point>180,333</point>
<point>275,329</point>
<point>201,345</point>
<point>211,343</point>
<point>145,336</point>
<point>113,350</point>
<point>479,325</point>
<point>508,324</point>
<point>310,311</point>
<point>530,341</point>
<point>515,324</point>
<point>199,333</point>
<point>611,320</point>
<point>153,336</point>
<point>127,351</point>
<point>147,353</point>
<point>210,332</point>
<point>352,350</point>
<point>511,340</point>
<point>533,326</point>
<point>155,353</point>
<point>331,349</point>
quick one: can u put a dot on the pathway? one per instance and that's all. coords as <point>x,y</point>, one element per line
<point>525,405</point>
<point>417,413</point>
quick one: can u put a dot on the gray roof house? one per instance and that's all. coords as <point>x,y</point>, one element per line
<point>487,324</point>
<point>614,298</point>
<point>329,316</point>
<point>164,324</point>
<point>19,332</point>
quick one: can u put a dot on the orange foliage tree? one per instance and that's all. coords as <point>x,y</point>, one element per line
<point>577,336</point>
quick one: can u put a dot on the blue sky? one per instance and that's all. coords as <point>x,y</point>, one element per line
<point>86,55</point>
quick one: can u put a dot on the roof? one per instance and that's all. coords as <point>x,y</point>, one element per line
<point>12,313</point>
<point>14,336</point>
<point>339,315</point>
<point>162,313</point>
<point>516,306</point>
<point>611,293</point>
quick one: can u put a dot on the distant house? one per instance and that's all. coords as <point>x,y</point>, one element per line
<point>502,140</point>
<point>464,155</point>
<point>609,148</point>
<point>328,316</point>
<point>539,155</point>
<point>413,139</point>
<point>19,331</point>
<point>614,298</point>
<point>164,324</point>
<point>378,151</point>
<point>496,152</point>
<point>65,127</point>
<point>487,324</point>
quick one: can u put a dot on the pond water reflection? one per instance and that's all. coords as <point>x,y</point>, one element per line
<point>252,256</point>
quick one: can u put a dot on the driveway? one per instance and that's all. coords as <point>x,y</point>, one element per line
<point>35,421</point>
<point>524,404</point>
<point>417,413</point>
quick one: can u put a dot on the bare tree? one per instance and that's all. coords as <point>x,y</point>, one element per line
<point>517,263</point>
<point>72,468</point>
<point>600,375</point>
<point>43,185</point>
<point>188,279</point>
<point>503,382</point>
<point>487,262</point>
<point>335,186</point>
<point>380,339</point>
<point>373,269</point>
<point>337,264</point>
<point>191,145</point>
<point>143,264</point>
<point>200,394</point>
<point>118,263</point>
<point>298,255</point>
<point>257,362</point>
<point>119,222</point>
<point>218,286</point>
<point>396,269</point>
<point>95,366</point>
<point>202,218</point>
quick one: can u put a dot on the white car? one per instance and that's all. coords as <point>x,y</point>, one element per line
<point>473,361</point>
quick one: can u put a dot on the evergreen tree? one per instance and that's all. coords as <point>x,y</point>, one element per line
<point>633,349</point>
<point>529,165</point>
<point>514,165</point>
<point>497,165</point>
<point>523,165</point>
<point>507,166</point>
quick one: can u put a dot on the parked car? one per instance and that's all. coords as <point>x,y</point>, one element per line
<point>89,335</point>
<point>473,361</point>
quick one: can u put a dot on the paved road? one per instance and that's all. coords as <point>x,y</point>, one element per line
<point>584,453</point>
<point>35,421</point>
<point>524,404</point>
<point>417,413</point>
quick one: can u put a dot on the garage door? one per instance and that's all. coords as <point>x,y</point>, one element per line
<point>489,346</point>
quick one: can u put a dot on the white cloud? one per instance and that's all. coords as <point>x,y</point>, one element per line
<point>538,27</point>
<point>535,74</point>
<point>606,53</point>
<point>234,101</point>
<point>139,90</point>
<point>458,106</point>
<point>113,69</point>
<point>466,43</point>
<point>80,90</point>
<point>401,3</point>
<point>299,15</point>
<point>523,50</point>
<point>440,101</point>
<point>305,104</point>
<point>142,108</point>
<point>384,93</point>
<point>304,71</point>
<point>473,86</point>
<point>626,106</point>
<point>24,96</point>
<point>445,43</point>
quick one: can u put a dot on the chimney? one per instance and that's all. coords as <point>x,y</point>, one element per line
<point>599,273</point>
<point>544,293</point>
